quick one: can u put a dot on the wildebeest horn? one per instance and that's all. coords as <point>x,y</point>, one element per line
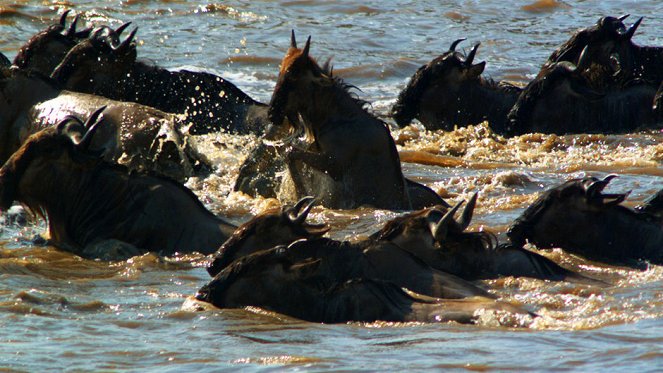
<point>124,45</point>
<point>623,17</point>
<point>631,30</point>
<point>439,230</point>
<point>63,17</point>
<point>72,28</point>
<point>91,124</point>
<point>293,40</point>
<point>123,27</point>
<point>307,46</point>
<point>60,126</point>
<point>473,52</point>
<point>452,48</point>
<point>584,60</point>
<point>594,189</point>
<point>466,217</point>
<point>298,213</point>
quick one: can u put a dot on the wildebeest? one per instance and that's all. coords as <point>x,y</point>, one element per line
<point>211,103</point>
<point>450,91</point>
<point>613,58</point>
<point>561,101</point>
<point>348,158</point>
<point>439,240</point>
<point>138,136</point>
<point>579,218</point>
<point>97,209</point>
<point>278,280</point>
<point>369,258</point>
<point>44,51</point>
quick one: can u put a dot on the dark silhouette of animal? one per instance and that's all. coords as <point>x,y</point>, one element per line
<point>310,289</point>
<point>562,101</point>
<point>138,136</point>
<point>97,209</point>
<point>579,218</point>
<point>435,237</point>
<point>349,158</point>
<point>368,258</point>
<point>450,91</point>
<point>211,103</point>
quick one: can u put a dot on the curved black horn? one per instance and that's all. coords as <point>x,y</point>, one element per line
<point>621,18</point>
<point>307,46</point>
<point>293,40</point>
<point>452,48</point>
<point>584,61</point>
<point>123,27</point>
<point>301,210</point>
<point>439,230</point>
<point>594,189</point>
<point>72,28</point>
<point>63,17</point>
<point>124,46</point>
<point>60,126</point>
<point>92,123</point>
<point>473,52</point>
<point>468,211</point>
<point>631,30</point>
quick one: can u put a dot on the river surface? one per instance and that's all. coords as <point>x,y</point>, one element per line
<point>59,312</point>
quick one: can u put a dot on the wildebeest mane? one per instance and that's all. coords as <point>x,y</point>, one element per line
<point>26,52</point>
<point>406,107</point>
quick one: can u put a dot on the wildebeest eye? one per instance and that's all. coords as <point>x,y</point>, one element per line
<point>615,65</point>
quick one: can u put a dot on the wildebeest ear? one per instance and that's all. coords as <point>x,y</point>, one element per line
<point>476,70</point>
<point>306,268</point>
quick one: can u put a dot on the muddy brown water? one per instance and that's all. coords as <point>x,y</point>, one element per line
<point>59,312</point>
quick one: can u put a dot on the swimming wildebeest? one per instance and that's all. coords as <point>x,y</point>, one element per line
<point>349,158</point>
<point>44,51</point>
<point>613,58</point>
<point>579,218</point>
<point>278,280</point>
<point>138,136</point>
<point>368,258</point>
<point>561,101</point>
<point>102,210</point>
<point>439,240</point>
<point>450,91</point>
<point>211,103</point>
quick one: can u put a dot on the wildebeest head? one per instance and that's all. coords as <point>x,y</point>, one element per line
<point>559,91</point>
<point>563,215</point>
<point>448,71</point>
<point>46,48</point>
<point>266,231</point>
<point>99,62</point>
<point>270,279</point>
<point>298,75</point>
<point>26,175</point>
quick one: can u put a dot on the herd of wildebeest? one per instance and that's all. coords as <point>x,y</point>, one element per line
<point>110,184</point>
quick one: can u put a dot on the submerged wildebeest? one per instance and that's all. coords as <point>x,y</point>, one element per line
<point>211,103</point>
<point>364,259</point>
<point>434,236</point>
<point>138,136</point>
<point>310,289</point>
<point>450,91</point>
<point>98,209</point>
<point>579,218</point>
<point>348,158</point>
<point>562,101</point>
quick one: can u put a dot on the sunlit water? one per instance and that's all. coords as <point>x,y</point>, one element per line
<point>59,312</point>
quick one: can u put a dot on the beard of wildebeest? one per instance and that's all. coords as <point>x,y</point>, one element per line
<point>351,156</point>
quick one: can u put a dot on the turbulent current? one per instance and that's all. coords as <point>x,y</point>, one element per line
<point>61,312</point>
